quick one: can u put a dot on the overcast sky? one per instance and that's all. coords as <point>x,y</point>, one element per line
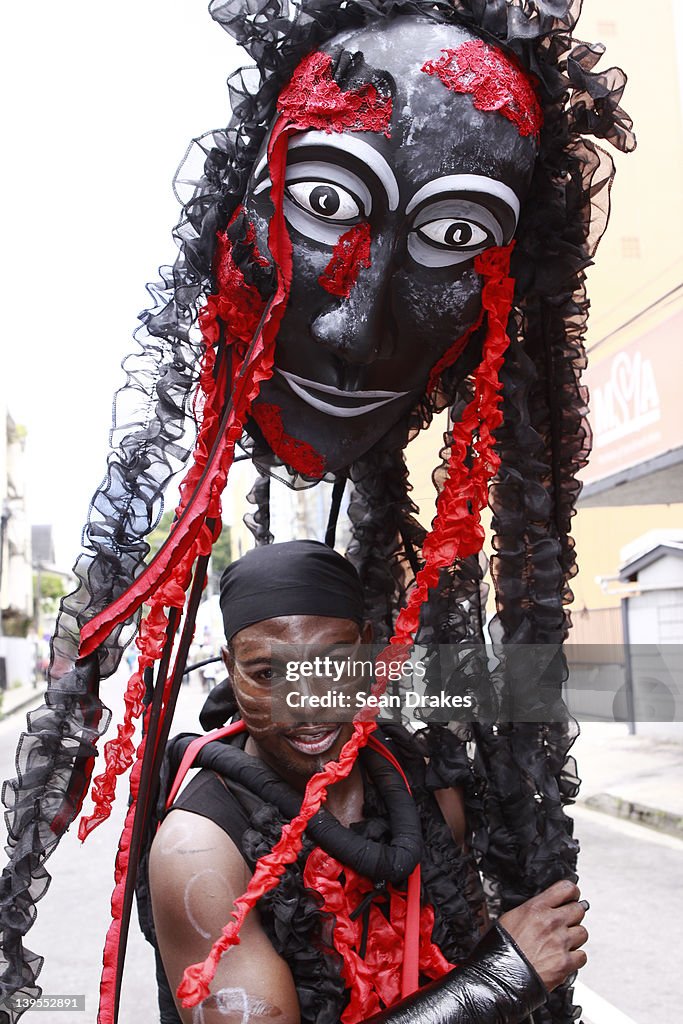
<point>100,102</point>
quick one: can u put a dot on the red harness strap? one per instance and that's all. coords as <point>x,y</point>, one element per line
<point>410,980</point>
<point>192,751</point>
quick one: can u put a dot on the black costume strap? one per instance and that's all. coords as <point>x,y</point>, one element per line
<point>378,861</point>
<point>337,495</point>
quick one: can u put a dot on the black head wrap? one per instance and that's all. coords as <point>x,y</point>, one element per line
<point>300,577</point>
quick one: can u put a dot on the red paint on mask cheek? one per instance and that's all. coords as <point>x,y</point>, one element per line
<point>300,455</point>
<point>314,100</point>
<point>351,252</point>
<point>493,80</point>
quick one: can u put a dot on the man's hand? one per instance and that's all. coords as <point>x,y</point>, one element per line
<point>549,932</point>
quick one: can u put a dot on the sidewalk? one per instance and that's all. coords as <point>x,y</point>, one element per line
<point>21,698</point>
<point>635,777</point>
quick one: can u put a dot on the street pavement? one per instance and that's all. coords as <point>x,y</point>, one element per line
<point>630,874</point>
<point>74,915</point>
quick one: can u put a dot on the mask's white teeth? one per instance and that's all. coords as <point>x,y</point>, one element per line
<point>308,391</point>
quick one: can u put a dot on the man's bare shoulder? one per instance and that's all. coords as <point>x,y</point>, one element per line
<point>186,841</point>
<point>196,873</point>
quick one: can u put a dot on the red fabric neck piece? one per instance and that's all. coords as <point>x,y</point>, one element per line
<point>398,949</point>
<point>493,81</point>
<point>351,252</point>
<point>374,979</point>
<point>314,100</point>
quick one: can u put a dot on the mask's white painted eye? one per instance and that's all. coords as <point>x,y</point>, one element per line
<point>454,235</point>
<point>325,200</point>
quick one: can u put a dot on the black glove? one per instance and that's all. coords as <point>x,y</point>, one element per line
<point>495,985</point>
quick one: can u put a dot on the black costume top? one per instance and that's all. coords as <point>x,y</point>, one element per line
<point>291,915</point>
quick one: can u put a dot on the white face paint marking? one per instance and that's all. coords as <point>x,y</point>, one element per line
<point>188,898</point>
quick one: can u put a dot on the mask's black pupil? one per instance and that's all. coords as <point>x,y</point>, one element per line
<point>458,234</point>
<point>325,200</point>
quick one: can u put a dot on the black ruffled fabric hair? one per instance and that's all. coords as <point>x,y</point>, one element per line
<point>525,843</point>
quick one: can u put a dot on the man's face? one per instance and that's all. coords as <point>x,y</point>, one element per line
<point>442,188</point>
<point>295,751</point>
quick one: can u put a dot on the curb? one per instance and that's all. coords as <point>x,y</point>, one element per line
<point>25,703</point>
<point>639,814</point>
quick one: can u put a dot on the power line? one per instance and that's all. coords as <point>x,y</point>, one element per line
<point>637,316</point>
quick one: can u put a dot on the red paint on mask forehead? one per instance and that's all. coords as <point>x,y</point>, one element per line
<point>314,100</point>
<point>351,252</point>
<point>493,81</point>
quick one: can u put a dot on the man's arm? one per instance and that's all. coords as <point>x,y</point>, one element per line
<point>196,874</point>
<point>498,983</point>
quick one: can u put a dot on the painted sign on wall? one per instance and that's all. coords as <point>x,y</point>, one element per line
<point>636,405</point>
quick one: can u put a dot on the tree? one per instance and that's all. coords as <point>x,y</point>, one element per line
<point>221,556</point>
<point>48,588</point>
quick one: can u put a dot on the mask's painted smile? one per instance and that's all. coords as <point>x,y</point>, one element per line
<point>334,402</point>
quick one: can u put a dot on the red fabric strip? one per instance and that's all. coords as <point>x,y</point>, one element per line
<point>298,454</point>
<point>192,751</point>
<point>204,502</point>
<point>200,492</point>
<point>410,968</point>
<point>457,530</point>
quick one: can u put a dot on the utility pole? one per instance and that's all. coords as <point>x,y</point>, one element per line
<point>4,518</point>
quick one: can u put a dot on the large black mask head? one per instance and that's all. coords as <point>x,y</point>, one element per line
<point>385,221</point>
